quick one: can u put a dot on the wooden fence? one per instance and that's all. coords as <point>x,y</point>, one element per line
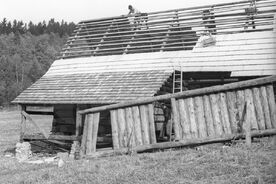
<point>201,114</point>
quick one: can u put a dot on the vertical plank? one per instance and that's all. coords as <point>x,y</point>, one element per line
<point>176,119</point>
<point>122,128</point>
<point>265,107</point>
<point>78,121</point>
<point>208,116</point>
<point>258,108</point>
<point>233,111</point>
<point>250,110</point>
<point>114,128</point>
<point>216,114</point>
<point>151,124</point>
<point>184,119</point>
<point>272,106</point>
<point>193,129</point>
<point>199,111</point>
<point>224,114</point>
<point>23,123</point>
<point>137,125</point>
<point>240,107</point>
<point>144,123</point>
<point>89,134</point>
<point>84,136</point>
<point>129,126</point>
<point>96,120</point>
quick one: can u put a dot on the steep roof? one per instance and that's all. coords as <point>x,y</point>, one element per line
<point>93,88</point>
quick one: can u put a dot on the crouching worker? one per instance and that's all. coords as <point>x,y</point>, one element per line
<point>136,18</point>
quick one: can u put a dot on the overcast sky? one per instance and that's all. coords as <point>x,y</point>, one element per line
<point>77,10</point>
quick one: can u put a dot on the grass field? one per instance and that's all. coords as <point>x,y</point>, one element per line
<point>206,164</point>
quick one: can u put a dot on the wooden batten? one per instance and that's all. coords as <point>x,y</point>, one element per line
<point>251,116</point>
<point>265,107</point>
<point>225,121</point>
<point>144,123</point>
<point>151,124</point>
<point>208,116</point>
<point>216,114</point>
<point>184,119</point>
<point>200,119</point>
<point>137,125</point>
<point>191,112</point>
<point>176,120</point>
<point>258,109</point>
<point>123,139</point>
<point>23,123</point>
<point>271,103</point>
<point>130,127</point>
<point>233,111</point>
<point>114,127</point>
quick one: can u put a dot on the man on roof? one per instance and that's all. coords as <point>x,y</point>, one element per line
<point>133,10</point>
<point>136,18</point>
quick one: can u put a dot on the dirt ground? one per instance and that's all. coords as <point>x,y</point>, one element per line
<point>206,164</point>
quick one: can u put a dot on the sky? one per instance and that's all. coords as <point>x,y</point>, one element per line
<point>77,10</point>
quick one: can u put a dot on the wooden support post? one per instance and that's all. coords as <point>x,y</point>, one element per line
<point>89,134</point>
<point>23,123</point>
<point>78,121</point>
<point>96,121</point>
<point>84,137</point>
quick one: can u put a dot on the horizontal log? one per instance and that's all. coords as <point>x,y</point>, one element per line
<point>39,113</point>
<point>52,137</point>
<point>183,143</point>
<point>186,94</point>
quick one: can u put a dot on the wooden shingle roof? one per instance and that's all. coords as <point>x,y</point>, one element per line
<point>95,88</point>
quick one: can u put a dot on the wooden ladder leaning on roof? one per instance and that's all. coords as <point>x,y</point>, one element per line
<point>177,81</point>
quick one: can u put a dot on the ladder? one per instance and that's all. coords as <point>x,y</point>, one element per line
<point>177,81</point>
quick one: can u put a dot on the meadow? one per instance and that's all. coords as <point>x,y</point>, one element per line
<point>218,163</point>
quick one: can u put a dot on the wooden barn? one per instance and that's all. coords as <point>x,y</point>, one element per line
<point>155,65</point>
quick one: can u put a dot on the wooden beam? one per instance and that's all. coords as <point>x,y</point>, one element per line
<point>52,137</point>
<point>28,117</point>
<point>23,123</point>
<point>183,143</point>
<point>39,113</point>
<point>78,121</point>
<point>186,94</point>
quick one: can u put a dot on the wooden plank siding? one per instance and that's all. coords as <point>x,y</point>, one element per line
<point>234,109</point>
